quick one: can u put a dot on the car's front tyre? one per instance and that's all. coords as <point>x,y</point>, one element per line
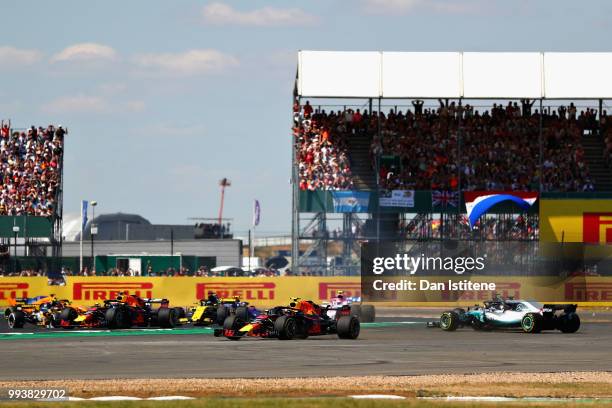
<point>531,323</point>
<point>449,321</point>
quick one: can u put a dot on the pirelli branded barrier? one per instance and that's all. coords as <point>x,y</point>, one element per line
<point>583,221</point>
<point>266,292</point>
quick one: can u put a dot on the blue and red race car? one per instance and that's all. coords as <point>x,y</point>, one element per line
<point>299,320</point>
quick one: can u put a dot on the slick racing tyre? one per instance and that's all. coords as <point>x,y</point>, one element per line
<point>222,314</point>
<point>117,318</point>
<point>348,327</point>
<point>356,310</point>
<point>234,323</point>
<point>286,327</point>
<point>166,317</point>
<point>242,312</point>
<point>569,323</point>
<point>531,323</point>
<point>449,321</point>
<point>368,313</point>
<point>16,319</point>
<point>68,315</point>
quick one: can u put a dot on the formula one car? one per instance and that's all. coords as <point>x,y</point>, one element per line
<point>530,316</point>
<point>39,310</point>
<point>365,313</point>
<point>124,312</point>
<point>302,318</point>
<point>215,310</point>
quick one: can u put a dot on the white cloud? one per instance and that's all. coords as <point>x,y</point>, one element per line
<point>85,52</point>
<point>222,14</point>
<point>193,62</point>
<point>410,6</point>
<point>91,104</point>
<point>11,56</point>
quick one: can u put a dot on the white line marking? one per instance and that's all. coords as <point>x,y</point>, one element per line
<point>115,398</point>
<point>377,396</point>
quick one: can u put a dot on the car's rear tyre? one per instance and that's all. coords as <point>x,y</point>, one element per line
<point>449,321</point>
<point>166,317</point>
<point>117,318</point>
<point>531,323</point>
<point>569,323</point>
<point>242,312</point>
<point>16,319</point>
<point>233,323</point>
<point>286,327</point>
<point>68,315</point>
<point>348,327</point>
<point>356,310</point>
<point>222,314</point>
<point>368,313</point>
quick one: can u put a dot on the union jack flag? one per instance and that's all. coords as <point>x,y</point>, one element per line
<point>443,199</point>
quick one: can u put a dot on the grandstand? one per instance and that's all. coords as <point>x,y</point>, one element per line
<point>403,137</point>
<point>31,198</point>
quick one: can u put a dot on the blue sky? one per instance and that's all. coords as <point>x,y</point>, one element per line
<point>164,98</point>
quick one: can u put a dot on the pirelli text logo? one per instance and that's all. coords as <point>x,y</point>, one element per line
<point>246,290</point>
<point>588,292</point>
<point>13,290</point>
<point>329,290</point>
<point>597,228</point>
<point>505,289</point>
<point>110,290</point>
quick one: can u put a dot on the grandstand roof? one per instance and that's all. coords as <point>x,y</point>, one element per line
<point>472,75</point>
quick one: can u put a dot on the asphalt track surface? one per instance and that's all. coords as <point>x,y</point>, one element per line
<point>392,348</point>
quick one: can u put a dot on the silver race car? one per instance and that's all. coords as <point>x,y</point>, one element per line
<point>499,313</point>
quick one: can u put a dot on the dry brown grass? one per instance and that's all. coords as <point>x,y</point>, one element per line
<point>570,384</point>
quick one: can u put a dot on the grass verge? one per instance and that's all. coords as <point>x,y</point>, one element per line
<point>558,385</point>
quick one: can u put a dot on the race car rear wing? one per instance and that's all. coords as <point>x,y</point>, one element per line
<point>567,308</point>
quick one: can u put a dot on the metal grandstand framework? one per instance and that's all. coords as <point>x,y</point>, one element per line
<point>377,76</point>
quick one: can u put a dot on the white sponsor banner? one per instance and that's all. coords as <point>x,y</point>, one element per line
<point>397,198</point>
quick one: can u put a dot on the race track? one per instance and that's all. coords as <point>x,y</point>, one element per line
<point>382,349</point>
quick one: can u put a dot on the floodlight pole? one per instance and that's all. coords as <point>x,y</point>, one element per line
<point>93,230</point>
<point>224,182</point>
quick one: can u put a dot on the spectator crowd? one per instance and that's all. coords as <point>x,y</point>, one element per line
<point>30,169</point>
<point>450,147</point>
<point>456,146</point>
<point>322,150</point>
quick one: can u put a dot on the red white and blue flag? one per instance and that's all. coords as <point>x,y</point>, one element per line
<point>478,203</point>
<point>443,199</point>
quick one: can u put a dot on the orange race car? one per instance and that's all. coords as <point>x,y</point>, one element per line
<point>39,310</point>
